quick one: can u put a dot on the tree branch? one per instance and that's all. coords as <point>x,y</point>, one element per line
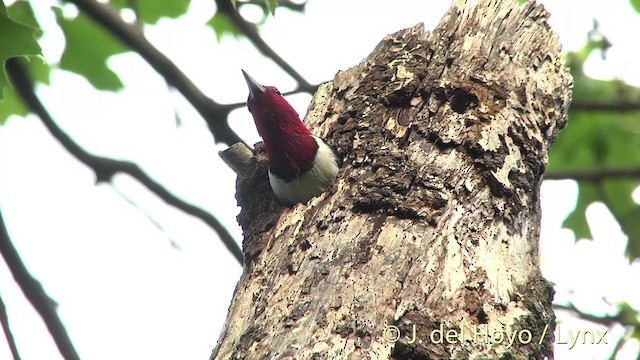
<point>299,7</point>
<point>105,168</point>
<point>594,174</point>
<point>33,291</point>
<point>311,90</point>
<point>251,33</point>
<point>214,114</point>
<point>606,320</point>
<point>613,106</point>
<point>4,319</point>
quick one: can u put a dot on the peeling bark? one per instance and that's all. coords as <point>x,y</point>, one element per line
<point>432,226</point>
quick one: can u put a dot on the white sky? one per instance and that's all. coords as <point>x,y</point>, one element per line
<point>125,291</point>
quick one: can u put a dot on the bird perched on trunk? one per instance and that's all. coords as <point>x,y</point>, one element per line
<point>301,165</point>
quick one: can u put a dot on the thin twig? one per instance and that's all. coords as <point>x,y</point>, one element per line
<point>249,30</point>
<point>311,90</point>
<point>105,168</point>
<point>4,319</point>
<point>617,348</point>
<point>606,320</point>
<point>594,174</point>
<point>147,215</point>
<point>34,292</point>
<point>215,114</point>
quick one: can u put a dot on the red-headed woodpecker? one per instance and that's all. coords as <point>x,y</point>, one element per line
<point>301,165</point>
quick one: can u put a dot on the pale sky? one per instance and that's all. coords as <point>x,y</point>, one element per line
<point>129,290</point>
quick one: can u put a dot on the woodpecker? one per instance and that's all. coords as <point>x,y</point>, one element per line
<point>301,165</point>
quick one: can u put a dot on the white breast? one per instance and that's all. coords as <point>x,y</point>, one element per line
<point>312,183</point>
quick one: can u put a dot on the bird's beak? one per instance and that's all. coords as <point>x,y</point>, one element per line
<point>255,89</point>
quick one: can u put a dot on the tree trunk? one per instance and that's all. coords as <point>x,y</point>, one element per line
<point>426,246</point>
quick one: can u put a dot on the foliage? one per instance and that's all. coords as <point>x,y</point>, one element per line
<point>271,6</point>
<point>17,38</point>
<point>82,57</point>
<point>597,140</point>
<point>593,141</point>
<point>151,11</point>
<point>223,26</point>
<point>19,31</point>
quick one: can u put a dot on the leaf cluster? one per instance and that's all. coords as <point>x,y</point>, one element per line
<point>596,140</point>
<point>20,32</point>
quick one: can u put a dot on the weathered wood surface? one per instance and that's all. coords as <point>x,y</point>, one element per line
<point>434,220</point>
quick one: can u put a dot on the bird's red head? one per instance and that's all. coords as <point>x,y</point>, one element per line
<point>290,146</point>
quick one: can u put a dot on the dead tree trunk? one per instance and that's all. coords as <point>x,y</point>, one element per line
<point>426,247</point>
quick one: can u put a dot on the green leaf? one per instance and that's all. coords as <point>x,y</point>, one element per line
<point>150,11</point>
<point>223,26</point>
<point>38,69</point>
<point>87,49</point>
<point>628,314</point>
<point>271,6</point>
<point>234,3</point>
<point>589,89</point>
<point>632,227</point>
<point>577,219</point>
<point>599,140</point>
<point>22,12</point>
<point>635,4</point>
<point>17,39</point>
<point>595,141</point>
<point>11,104</point>
<point>625,210</point>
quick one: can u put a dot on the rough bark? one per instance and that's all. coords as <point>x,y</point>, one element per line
<point>433,222</point>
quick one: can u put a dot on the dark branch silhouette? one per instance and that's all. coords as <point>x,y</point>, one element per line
<point>238,105</point>
<point>606,320</point>
<point>215,114</point>
<point>594,174</point>
<point>105,168</point>
<point>599,106</point>
<point>33,291</point>
<point>4,319</point>
<point>291,5</point>
<point>249,30</point>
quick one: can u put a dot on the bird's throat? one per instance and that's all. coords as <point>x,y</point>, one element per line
<point>291,147</point>
<point>291,158</point>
